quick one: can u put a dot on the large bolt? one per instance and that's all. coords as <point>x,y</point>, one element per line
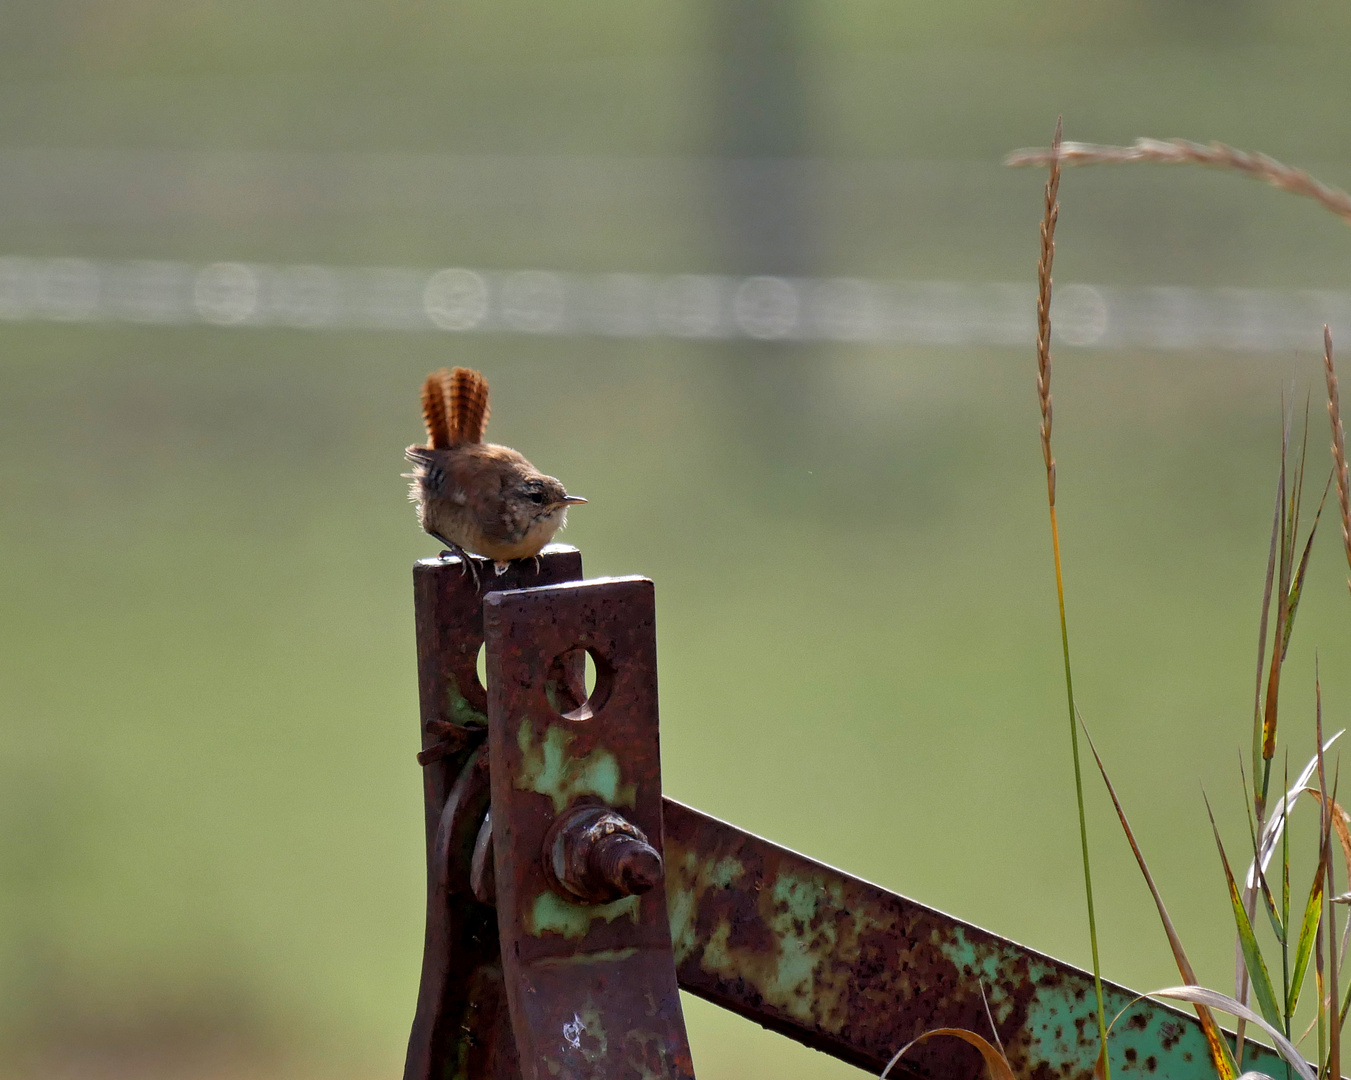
<point>595,855</point>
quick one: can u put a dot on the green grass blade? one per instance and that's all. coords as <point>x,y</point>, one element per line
<point>1262,639</point>
<point>1334,1058</point>
<point>1322,995</point>
<point>1277,919</point>
<point>1225,1065</point>
<point>1259,796</point>
<point>1308,930</point>
<point>1297,584</point>
<point>1285,907</point>
<point>1285,852</point>
<point>1252,953</point>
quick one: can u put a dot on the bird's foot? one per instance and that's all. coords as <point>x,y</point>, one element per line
<point>466,560</point>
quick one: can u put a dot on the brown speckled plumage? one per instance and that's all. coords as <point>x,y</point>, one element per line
<point>474,496</point>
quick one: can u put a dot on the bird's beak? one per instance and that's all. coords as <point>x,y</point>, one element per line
<point>573,499</point>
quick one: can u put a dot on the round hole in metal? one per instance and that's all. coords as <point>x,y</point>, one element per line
<point>579,683</point>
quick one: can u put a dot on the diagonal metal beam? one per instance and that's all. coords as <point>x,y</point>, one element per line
<point>853,970</point>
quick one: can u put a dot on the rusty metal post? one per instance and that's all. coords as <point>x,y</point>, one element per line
<point>461,1030</point>
<point>577,825</point>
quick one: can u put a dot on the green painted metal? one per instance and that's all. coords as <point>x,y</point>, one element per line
<point>856,971</point>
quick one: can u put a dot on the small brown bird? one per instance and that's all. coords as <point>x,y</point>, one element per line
<point>473,496</point>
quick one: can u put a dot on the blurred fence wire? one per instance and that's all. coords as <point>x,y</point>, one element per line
<point>692,306</point>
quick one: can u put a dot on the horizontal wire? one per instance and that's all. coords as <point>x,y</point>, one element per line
<point>689,306</point>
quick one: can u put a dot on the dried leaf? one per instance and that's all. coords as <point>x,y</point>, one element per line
<point>994,1060</point>
<point>1340,818</point>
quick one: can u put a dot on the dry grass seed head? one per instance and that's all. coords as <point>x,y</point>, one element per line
<point>1047,256</point>
<point>1213,155</point>
<point>1338,445</point>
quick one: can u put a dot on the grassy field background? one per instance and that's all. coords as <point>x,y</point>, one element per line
<point>210,823</point>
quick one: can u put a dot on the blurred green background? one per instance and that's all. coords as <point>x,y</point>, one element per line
<point>210,816</point>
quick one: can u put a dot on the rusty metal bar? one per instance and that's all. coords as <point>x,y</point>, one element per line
<point>856,971</point>
<point>461,1029</point>
<point>576,795</point>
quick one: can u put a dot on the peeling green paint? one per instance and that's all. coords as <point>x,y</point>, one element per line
<point>716,954</point>
<point>1148,1039</point>
<point>803,944</point>
<point>680,904</point>
<point>551,913</point>
<point>602,956</point>
<point>547,768</point>
<point>818,935</point>
<point>459,710</point>
<point>723,872</point>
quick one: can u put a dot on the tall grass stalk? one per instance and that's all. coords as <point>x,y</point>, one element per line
<point>1215,155</point>
<point>1287,564</point>
<point>1326,804</point>
<point>1338,446</point>
<point>1048,223</point>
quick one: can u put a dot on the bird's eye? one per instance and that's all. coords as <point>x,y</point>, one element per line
<point>535,496</point>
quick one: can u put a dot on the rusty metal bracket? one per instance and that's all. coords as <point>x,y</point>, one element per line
<point>579,838</point>
<point>576,793</point>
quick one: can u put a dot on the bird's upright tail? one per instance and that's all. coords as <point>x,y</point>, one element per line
<point>455,407</point>
<point>467,397</point>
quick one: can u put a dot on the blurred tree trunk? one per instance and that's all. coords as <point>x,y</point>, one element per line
<point>766,197</point>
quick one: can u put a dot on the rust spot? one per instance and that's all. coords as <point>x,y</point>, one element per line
<point>1131,1055</point>
<point>1170,1035</point>
<point>1138,1021</point>
<point>1151,1063</point>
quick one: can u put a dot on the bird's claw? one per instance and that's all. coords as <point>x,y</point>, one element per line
<point>466,560</point>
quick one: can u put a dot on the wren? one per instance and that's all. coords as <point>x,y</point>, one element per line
<point>478,498</point>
